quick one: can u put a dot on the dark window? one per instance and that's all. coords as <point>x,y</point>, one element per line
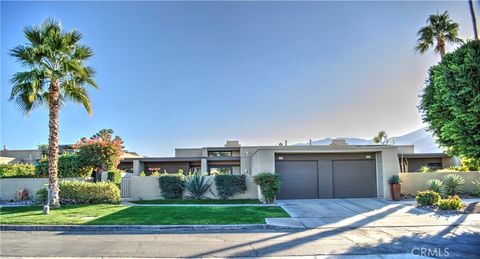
<point>435,165</point>
<point>219,170</point>
<point>219,153</point>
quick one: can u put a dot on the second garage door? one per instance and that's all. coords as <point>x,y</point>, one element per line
<point>332,179</point>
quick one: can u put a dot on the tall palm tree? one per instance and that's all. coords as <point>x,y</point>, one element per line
<point>474,19</point>
<point>54,73</point>
<point>439,30</point>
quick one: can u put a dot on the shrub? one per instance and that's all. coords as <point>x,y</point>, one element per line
<point>269,185</point>
<point>197,185</point>
<point>17,171</point>
<point>476,188</point>
<point>470,164</point>
<point>425,169</point>
<point>394,179</point>
<point>428,198</point>
<point>42,195</point>
<point>88,193</point>
<point>69,165</point>
<point>436,186</point>
<point>453,184</point>
<point>172,185</point>
<point>156,173</point>
<point>451,203</point>
<point>114,176</point>
<point>142,174</point>
<point>230,184</point>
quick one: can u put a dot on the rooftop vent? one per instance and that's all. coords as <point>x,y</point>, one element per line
<point>338,142</point>
<point>232,143</point>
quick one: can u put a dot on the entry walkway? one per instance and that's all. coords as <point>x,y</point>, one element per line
<point>354,213</point>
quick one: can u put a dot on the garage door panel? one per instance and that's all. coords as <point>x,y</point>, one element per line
<point>325,178</point>
<point>299,179</point>
<point>354,179</point>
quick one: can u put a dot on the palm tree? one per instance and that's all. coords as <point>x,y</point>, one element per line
<point>439,30</point>
<point>54,73</point>
<point>474,20</point>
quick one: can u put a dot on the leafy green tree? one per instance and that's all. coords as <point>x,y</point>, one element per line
<point>440,29</point>
<point>450,102</point>
<point>55,72</point>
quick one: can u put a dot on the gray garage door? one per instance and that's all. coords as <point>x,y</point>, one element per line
<point>354,179</point>
<point>326,178</point>
<point>298,178</point>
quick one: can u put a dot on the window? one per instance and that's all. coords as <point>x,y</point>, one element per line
<point>219,153</point>
<point>435,165</point>
<point>219,170</point>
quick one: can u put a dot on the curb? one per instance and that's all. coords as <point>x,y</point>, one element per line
<point>136,227</point>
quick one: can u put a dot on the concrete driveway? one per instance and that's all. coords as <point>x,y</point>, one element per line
<point>362,212</point>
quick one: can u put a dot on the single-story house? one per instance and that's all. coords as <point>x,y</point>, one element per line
<point>337,170</point>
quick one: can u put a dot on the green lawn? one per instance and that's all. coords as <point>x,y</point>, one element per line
<point>139,215</point>
<point>211,201</point>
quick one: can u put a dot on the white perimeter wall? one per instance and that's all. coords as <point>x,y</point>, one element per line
<point>147,188</point>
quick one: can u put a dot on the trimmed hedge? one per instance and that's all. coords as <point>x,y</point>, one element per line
<point>114,176</point>
<point>229,184</point>
<point>17,171</point>
<point>172,185</point>
<point>428,198</point>
<point>75,192</point>
<point>68,166</point>
<point>451,203</point>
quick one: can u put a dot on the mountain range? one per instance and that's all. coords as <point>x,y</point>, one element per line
<point>422,140</point>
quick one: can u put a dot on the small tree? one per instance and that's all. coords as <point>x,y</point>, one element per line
<point>102,151</point>
<point>450,101</point>
<point>381,138</point>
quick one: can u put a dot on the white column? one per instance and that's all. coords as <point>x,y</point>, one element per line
<point>204,166</point>
<point>138,167</point>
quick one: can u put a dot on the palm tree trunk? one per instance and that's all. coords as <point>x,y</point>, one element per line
<point>54,107</point>
<point>474,20</point>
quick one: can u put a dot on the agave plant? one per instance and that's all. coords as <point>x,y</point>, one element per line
<point>453,184</point>
<point>436,185</point>
<point>197,185</point>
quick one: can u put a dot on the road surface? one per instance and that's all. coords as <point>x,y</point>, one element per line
<point>437,240</point>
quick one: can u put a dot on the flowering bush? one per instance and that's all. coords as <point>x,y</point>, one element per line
<point>101,151</point>
<point>451,203</point>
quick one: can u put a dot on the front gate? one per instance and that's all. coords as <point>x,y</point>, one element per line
<point>125,187</point>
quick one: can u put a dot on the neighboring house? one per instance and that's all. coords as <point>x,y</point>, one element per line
<point>337,170</point>
<point>26,156</point>
<point>32,156</point>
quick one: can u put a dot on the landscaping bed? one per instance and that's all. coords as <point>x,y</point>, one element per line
<point>105,214</point>
<point>469,208</point>
<point>203,201</point>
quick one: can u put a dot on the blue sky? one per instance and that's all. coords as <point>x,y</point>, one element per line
<point>186,74</point>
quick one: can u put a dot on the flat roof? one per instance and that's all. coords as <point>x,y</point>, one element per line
<point>180,159</point>
<point>423,155</point>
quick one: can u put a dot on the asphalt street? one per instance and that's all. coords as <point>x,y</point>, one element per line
<point>444,241</point>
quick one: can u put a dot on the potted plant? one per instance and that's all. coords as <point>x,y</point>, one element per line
<point>395,187</point>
